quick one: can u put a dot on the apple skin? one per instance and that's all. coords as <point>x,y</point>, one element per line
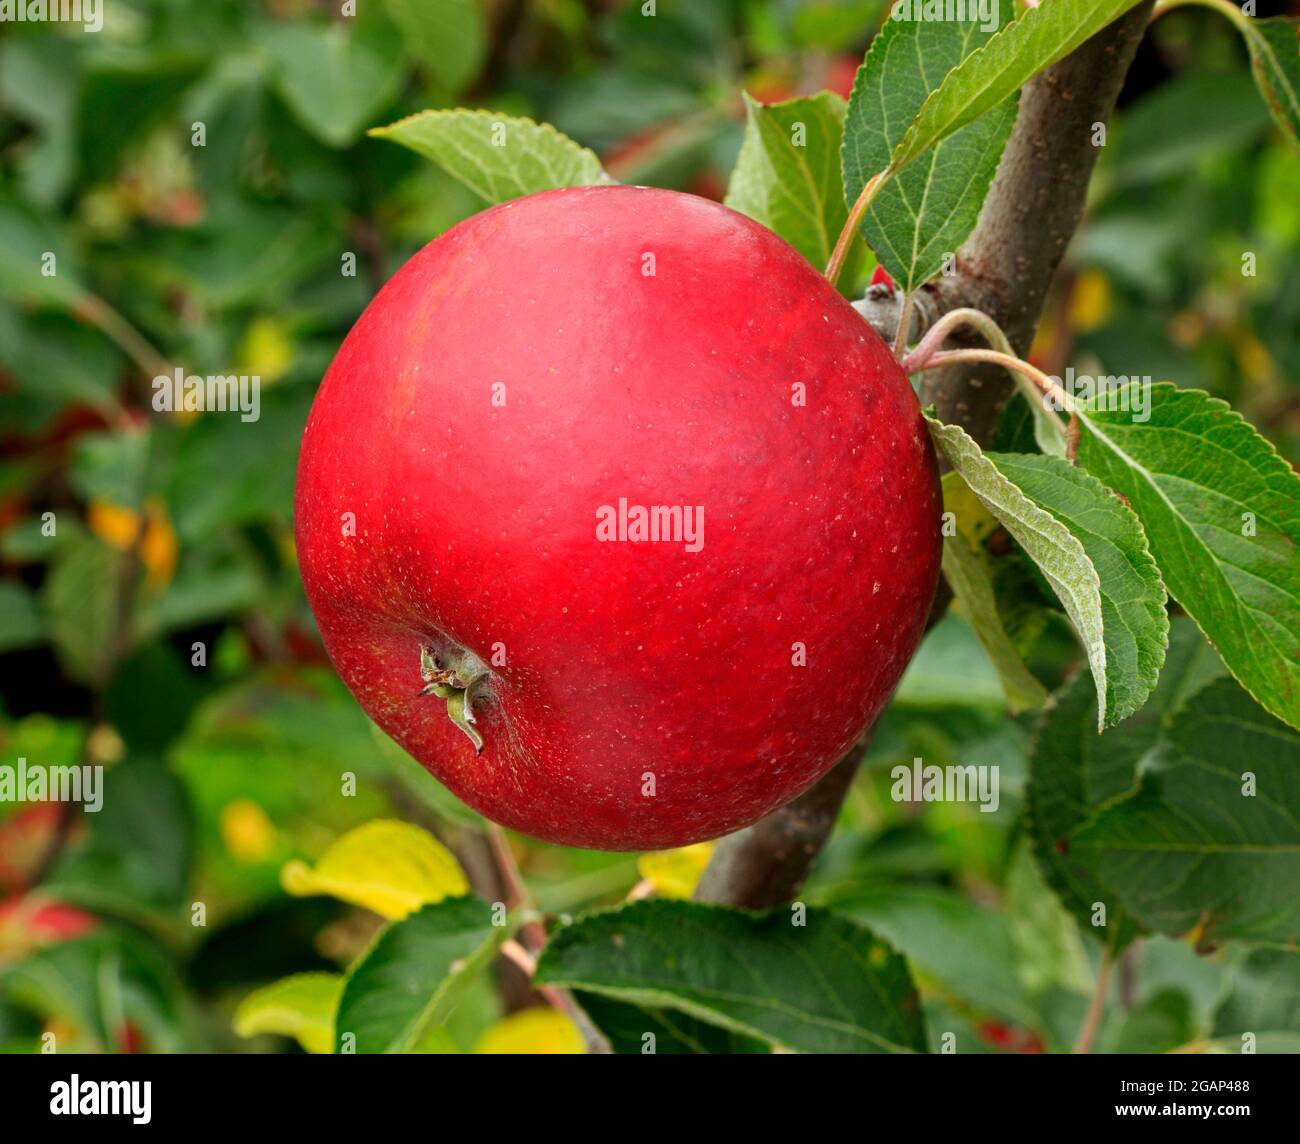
<point>649,696</point>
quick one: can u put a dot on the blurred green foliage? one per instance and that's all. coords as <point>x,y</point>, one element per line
<point>199,172</point>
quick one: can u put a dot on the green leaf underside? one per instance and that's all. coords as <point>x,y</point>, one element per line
<point>405,983</point>
<point>1049,543</point>
<point>498,157</point>
<point>826,986</point>
<point>793,189</point>
<point>1190,848</point>
<point>966,568</point>
<point>1035,40</point>
<point>1275,62</point>
<point>1073,771</point>
<point>1198,475</point>
<point>928,210</point>
<point>1135,625</point>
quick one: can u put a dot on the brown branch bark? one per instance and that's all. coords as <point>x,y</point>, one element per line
<point>764,864</point>
<point>1033,209</point>
<point>1005,269</point>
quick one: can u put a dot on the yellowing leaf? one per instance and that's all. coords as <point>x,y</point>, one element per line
<point>120,527</point>
<point>1255,361</point>
<point>266,350</point>
<point>112,524</point>
<point>158,548</point>
<point>972,519</point>
<point>675,873</point>
<point>301,1007</point>
<point>1090,302</point>
<point>390,867</point>
<point>534,1031</point>
<point>246,831</point>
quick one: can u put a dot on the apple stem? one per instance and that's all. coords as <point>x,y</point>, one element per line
<point>1033,383</point>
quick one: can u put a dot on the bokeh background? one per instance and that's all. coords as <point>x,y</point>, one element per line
<point>173,532</point>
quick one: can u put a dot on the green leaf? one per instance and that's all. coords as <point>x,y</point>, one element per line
<point>825,986</point>
<point>1221,511</point>
<point>1050,544</point>
<point>137,852</point>
<point>966,568</point>
<point>78,600</point>
<point>122,98</point>
<point>414,974</point>
<point>448,37</point>
<point>94,985</point>
<point>39,80</point>
<point>1035,40</point>
<point>20,618</point>
<point>112,467</point>
<point>787,174</point>
<point>950,670</point>
<point>1194,118</point>
<point>628,1028</point>
<point>1275,61</point>
<point>1135,626</point>
<point>928,210</point>
<point>964,947</point>
<point>301,1007</point>
<point>1159,1024</point>
<point>1049,951</point>
<point>1265,995</point>
<point>1194,848</point>
<point>498,157</point>
<point>1281,1043</point>
<point>1073,771</point>
<point>27,275</point>
<point>335,78</point>
<point>387,866</point>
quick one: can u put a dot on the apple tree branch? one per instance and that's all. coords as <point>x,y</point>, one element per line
<point>1004,269</point>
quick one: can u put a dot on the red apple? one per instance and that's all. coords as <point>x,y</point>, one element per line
<point>516,381</point>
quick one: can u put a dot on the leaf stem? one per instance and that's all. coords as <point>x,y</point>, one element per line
<point>1033,383</point>
<point>93,309</point>
<point>517,895</point>
<point>850,229</point>
<point>1223,7</point>
<point>1043,384</point>
<point>534,938</point>
<point>904,326</point>
<point>1097,1006</point>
